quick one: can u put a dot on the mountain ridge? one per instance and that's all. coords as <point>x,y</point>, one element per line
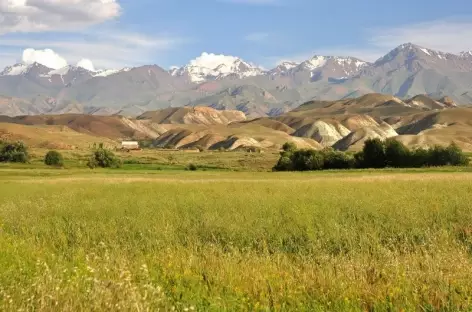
<point>404,72</point>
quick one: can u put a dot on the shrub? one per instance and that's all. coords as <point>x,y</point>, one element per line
<point>191,167</point>
<point>284,164</point>
<point>359,160</point>
<point>14,152</point>
<point>419,157</point>
<point>437,156</point>
<point>289,147</point>
<point>54,158</point>
<point>456,156</point>
<point>397,155</point>
<point>337,160</point>
<point>306,159</point>
<point>103,158</point>
<point>374,154</point>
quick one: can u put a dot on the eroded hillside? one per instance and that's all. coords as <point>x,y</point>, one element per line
<point>343,124</point>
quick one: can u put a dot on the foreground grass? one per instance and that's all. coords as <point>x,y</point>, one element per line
<point>213,241</point>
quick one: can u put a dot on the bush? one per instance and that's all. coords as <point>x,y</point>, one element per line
<point>54,158</point>
<point>191,167</point>
<point>289,147</point>
<point>456,156</point>
<point>305,160</point>
<point>397,155</point>
<point>338,160</point>
<point>374,154</point>
<point>359,160</point>
<point>284,164</point>
<point>103,158</point>
<point>14,152</point>
<point>419,157</point>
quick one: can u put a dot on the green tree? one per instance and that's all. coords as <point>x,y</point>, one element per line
<point>306,159</point>
<point>456,156</point>
<point>54,158</point>
<point>419,157</point>
<point>337,160</point>
<point>103,158</point>
<point>374,154</point>
<point>397,155</point>
<point>14,152</point>
<point>284,164</point>
<point>437,156</point>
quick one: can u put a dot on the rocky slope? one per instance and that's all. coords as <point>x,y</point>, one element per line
<point>193,115</point>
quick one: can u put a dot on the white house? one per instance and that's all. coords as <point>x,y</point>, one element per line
<point>130,145</point>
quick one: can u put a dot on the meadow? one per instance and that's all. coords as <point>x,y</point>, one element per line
<point>148,240</point>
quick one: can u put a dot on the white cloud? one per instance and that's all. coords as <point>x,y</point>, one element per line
<point>211,61</point>
<point>256,36</point>
<point>45,57</point>
<point>86,64</point>
<point>59,15</point>
<point>106,49</point>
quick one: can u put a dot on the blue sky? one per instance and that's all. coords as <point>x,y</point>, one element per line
<point>173,32</point>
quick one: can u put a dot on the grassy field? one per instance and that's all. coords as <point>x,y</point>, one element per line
<point>80,240</point>
<point>154,159</point>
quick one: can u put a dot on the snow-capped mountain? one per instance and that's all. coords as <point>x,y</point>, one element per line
<point>24,69</point>
<point>405,71</point>
<point>64,75</point>
<point>283,68</point>
<point>413,58</point>
<point>215,67</point>
<point>321,68</point>
<point>466,55</point>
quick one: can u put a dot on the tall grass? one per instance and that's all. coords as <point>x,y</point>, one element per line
<point>236,241</point>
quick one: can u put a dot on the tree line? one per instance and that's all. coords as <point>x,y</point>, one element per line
<point>17,152</point>
<point>375,154</point>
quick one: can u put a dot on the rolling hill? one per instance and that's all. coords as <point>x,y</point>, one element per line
<point>343,124</point>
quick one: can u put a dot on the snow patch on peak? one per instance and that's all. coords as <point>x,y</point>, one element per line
<point>466,54</point>
<point>109,72</point>
<point>209,66</point>
<point>61,71</point>
<point>316,62</point>
<point>425,51</point>
<point>15,70</point>
<point>288,65</point>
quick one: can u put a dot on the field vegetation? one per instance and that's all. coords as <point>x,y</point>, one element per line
<point>208,238</point>
<point>210,241</point>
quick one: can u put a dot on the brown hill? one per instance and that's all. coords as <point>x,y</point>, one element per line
<point>112,127</point>
<point>193,115</point>
<point>229,137</point>
<point>344,124</point>
<point>50,137</point>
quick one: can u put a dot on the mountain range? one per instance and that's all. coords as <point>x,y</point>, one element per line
<point>234,84</point>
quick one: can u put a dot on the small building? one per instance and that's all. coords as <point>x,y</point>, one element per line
<point>130,145</point>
